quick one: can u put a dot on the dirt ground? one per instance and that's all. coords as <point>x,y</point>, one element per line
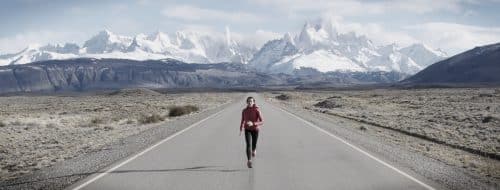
<point>460,127</point>
<point>39,131</point>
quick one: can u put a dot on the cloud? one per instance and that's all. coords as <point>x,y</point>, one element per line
<point>199,28</point>
<point>358,7</point>
<point>376,32</point>
<point>192,13</point>
<point>340,7</point>
<point>143,2</point>
<point>256,39</point>
<point>253,39</point>
<point>426,6</point>
<point>16,43</point>
<point>450,37</point>
<point>454,37</point>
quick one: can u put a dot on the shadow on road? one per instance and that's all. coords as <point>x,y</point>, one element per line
<point>189,169</point>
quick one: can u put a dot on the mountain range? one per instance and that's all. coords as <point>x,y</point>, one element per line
<point>321,47</point>
<point>82,74</point>
<point>317,46</point>
<point>477,66</point>
<point>480,65</point>
<point>185,46</point>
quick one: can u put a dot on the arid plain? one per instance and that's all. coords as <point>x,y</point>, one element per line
<point>37,131</point>
<point>457,126</point>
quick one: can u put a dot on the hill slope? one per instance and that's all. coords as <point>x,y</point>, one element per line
<point>478,65</point>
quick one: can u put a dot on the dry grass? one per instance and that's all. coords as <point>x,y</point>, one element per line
<point>460,117</point>
<point>152,118</point>
<point>329,104</point>
<point>175,111</point>
<point>283,97</point>
<point>456,126</point>
<point>96,121</point>
<point>82,124</point>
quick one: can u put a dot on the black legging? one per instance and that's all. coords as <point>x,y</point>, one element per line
<point>255,136</point>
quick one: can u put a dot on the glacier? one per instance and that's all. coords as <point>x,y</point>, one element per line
<point>317,46</point>
<point>186,46</point>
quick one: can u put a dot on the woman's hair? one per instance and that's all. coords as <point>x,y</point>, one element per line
<point>254,105</point>
<point>251,98</point>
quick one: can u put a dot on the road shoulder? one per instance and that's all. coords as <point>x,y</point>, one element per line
<point>431,171</point>
<point>68,172</point>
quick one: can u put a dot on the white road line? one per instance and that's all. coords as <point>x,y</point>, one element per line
<point>145,151</point>
<point>358,149</point>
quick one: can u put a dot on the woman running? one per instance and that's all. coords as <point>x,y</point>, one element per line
<point>251,120</point>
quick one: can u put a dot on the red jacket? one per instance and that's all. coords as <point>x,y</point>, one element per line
<point>251,114</point>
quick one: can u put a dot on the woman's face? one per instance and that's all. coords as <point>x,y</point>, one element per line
<point>250,102</point>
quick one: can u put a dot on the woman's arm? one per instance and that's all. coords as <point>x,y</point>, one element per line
<point>259,121</point>
<point>242,120</point>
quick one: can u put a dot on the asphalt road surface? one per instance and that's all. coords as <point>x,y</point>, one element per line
<point>291,154</point>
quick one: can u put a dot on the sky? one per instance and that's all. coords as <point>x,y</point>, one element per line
<point>450,25</point>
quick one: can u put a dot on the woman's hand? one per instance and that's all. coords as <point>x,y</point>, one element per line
<point>249,123</point>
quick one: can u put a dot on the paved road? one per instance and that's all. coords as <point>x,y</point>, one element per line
<point>291,155</point>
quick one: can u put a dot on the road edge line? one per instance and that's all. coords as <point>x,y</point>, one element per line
<point>358,149</point>
<point>144,151</point>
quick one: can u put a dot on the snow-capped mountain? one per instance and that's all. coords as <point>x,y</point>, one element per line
<point>106,42</point>
<point>273,52</point>
<point>479,65</point>
<point>186,46</point>
<point>423,54</point>
<point>318,46</point>
<point>40,53</point>
<point>321,47</point>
